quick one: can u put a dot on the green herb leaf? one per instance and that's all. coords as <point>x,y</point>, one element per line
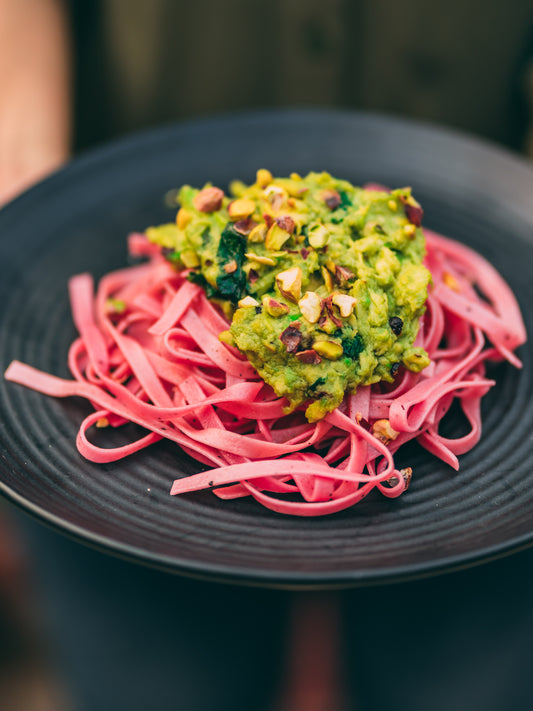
<point>352,346</point>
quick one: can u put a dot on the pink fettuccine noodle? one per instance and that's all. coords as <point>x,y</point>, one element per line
<point>158,362</point>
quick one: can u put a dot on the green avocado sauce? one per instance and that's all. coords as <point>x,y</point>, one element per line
<point>323,281</point>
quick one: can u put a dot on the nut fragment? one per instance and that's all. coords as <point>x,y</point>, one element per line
<point>413,210</point>
<point>345,302</point>
<point>331,198</point>
<point>258,233</point>
<point>245,226</point>
<point>406,475</point>
<point>248,301</point>
<point>318,235</point>
<point>260,259</point>
<point>275,196</point>
<point>409,230</point>
<point>190,259</point>
<point>309,357</point>
<point>382,430</point>
<point>291,338</point>
<point>276,237</point>
<point>182,218</point>
<point>392,205</point>
<point>330,316</point>
<point>263,177</point>
<point>311,306</point>
<point>286,223</point>
<point>328,280</point>
<point>238,209</point>
<point>230,267</point>
<point>273,307</point>
<point>328,349</point>
<point>289,283</point>
<point>208,199</point>
<point>343,275</point>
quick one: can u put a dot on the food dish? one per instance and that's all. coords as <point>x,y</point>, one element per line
<point>385,546</point>
<point>379,362</point>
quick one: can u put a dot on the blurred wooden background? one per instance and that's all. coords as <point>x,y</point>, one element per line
<point>463,63</point>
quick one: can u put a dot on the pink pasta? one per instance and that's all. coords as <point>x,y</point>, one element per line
<point>148,352</point>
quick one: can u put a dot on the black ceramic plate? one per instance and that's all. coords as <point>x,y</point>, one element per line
<point>78,221</point>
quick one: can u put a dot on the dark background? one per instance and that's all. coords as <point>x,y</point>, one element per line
<point>466,64</point>
<point>82,631</point>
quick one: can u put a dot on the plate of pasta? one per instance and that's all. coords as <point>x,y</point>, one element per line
<point>293,379</point>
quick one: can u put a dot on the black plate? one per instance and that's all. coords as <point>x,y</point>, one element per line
<point>78,220</point>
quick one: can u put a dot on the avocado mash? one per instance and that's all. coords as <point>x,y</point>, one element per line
<point>323,281</point>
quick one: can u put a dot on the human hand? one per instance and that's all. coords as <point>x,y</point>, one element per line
<point>35,87</point>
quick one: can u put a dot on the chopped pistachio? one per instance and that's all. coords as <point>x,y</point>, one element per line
<point>392,205</point>
<point>248,301</point>
<point>268,261</point>
<point>182,218</point>
<point>318,235</point>
<point>258,233</point>
<point>291,338</point>
<point>309,357</point>
<point>208,200</point>
<point>230,267</point>
<point>238,209</point>
<point>345,302</point>
<point>409,229</point>
<point>343,276</point>
<point>276,237</point>
<point>276,196</point>
<point>382,430</point>
<point>286,223</point>
<point>244,226</point>
<point>328,349</point>
<point>406,475</point>
<point>311,306</point>
<point>273,307</point>
<point>331,198</point>
<point>328,279</point>
<point>289,283</point>
<point>263,177</point>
